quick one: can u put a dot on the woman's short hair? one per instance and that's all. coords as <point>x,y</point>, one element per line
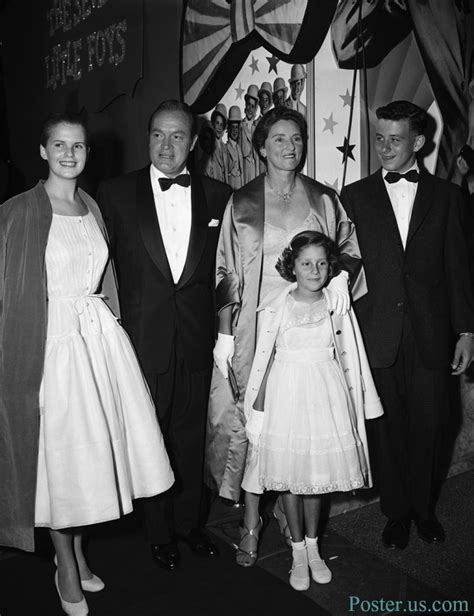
<point>286,263</point>
<point>273,116</point>
<point>62,118</point>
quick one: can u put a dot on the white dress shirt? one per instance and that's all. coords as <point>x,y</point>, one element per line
<point>402,196</point>
<point>173,208</point>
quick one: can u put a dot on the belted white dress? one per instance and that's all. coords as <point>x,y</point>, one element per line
<point>309,442</point>
<point>100,445</point>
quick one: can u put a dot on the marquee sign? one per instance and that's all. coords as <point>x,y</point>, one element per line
<point>94,45</point>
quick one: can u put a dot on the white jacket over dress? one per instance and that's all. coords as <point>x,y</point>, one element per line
<point>349,353</point>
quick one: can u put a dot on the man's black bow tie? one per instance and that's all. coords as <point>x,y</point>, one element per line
<point>182,180</point>
<point>410,176</point>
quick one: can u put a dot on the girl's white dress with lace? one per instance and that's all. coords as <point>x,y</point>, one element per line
<point>309,442</point>
<point>100,444</point>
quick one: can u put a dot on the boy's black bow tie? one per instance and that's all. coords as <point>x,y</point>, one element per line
<point>409,176</point>
<point>182,180</point>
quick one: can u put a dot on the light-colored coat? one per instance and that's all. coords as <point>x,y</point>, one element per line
<point>295,105</point>
<point>25,221</point>
<point>217,167</point>
<point>235,164</point>
<point>349,352</point>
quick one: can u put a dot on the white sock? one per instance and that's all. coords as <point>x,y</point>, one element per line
<point>319,570</point>
<point>298,545</point>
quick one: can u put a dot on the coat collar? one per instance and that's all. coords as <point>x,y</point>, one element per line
<point>385,214</point>
<point>198,235</point>
<point>148,223</point>
<point>44,214</point>
<point>249,211</point>
<point>422,204</point>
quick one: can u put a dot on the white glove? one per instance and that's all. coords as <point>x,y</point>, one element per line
<point>223,352</point>
<point>339,293</point>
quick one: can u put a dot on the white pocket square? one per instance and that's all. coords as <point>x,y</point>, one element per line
<point>213,223</point>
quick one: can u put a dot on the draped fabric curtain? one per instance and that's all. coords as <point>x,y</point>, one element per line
<point>218,35</point>
<point>367,30</point>
<point>444,33</point>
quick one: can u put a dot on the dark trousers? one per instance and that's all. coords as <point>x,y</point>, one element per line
<point>181,400</point>
<point>407,437</point>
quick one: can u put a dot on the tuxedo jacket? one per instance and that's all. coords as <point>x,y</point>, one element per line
<point>429,279</point>
<point>158,314</point>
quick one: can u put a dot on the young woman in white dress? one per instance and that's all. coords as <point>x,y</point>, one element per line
<point>100,445</point>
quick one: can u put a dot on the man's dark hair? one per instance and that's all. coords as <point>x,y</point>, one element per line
<point>175,105</point>
<point>404,110</point>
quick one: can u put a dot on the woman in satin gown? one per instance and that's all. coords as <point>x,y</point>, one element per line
<point>259,222</point>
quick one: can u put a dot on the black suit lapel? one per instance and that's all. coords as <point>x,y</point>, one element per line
<point>198,235</point>
<point>148,223</point>
<point>421,205</point>
<point>385,214</point>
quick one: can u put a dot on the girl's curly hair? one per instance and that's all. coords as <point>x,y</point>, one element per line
<point>286,263</point>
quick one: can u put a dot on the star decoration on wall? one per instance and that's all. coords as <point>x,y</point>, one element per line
<point>329,124</point>
<point>346,150</point>
<point>254,65</point>
<point>272,61</point>
<point>239,91</point>
<point>346,98</point>
<point>334,185</point>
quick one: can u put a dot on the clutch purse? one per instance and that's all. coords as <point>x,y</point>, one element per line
<point>233,382</point>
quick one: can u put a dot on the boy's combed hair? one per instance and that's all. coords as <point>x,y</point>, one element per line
<point>404,110</point>
<point>286,263</point>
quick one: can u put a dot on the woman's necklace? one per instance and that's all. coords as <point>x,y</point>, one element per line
<point>286,196</point>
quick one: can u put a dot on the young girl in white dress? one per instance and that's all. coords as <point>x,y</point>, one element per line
<point>100,445</point>
<point>311,379</point>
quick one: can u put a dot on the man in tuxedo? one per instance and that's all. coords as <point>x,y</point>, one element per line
<point>414,253</point>
<point>163,225</point>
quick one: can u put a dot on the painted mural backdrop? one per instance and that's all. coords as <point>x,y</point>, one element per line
<point>364,35</point>
<point>341,155</point>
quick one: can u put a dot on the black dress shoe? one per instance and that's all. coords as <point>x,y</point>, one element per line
<point>395,534</point>
<point>430,530</point>
<point>166,555</point>
<point>200,543</point>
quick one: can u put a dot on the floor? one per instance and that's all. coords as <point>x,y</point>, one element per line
<point>367,578</point>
